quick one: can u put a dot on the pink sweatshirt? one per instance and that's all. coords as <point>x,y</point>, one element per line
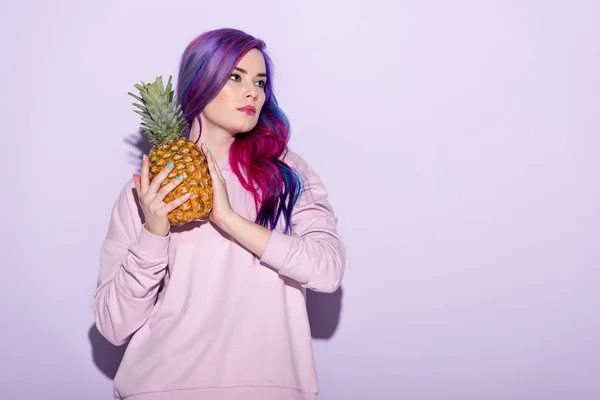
<point>205,318</point>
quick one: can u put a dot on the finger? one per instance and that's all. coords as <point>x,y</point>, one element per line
<point>144,180</point>
<point>159,178</point>
<point>165,190</point>
<point>204,149</point>
<point>216,167</point>
<point>176,203</point>
<point>136,182</point>
<point>212,169</point>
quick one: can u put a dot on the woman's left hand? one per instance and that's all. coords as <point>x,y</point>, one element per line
<point>221,212</point>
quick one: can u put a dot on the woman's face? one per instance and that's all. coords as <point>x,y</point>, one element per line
<point>238,105</point>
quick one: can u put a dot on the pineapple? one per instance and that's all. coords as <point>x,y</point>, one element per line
<point>163,125</point>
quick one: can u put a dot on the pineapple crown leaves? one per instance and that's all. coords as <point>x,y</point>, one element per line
<point>161,116</point>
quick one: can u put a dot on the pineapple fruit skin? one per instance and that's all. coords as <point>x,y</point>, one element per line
<point>190,162</point>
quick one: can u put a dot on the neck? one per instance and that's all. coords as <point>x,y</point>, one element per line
<point>217,139</point>
<point>217,142</point>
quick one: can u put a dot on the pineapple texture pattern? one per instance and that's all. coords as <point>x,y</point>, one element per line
<point>190,162</point>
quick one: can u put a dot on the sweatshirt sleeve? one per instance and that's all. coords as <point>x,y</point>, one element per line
<point>132,265</point>
<point>313,254</point>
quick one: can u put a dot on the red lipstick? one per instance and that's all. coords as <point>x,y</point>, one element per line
<point>249,110</point>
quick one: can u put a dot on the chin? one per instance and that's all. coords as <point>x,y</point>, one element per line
<point>245,127</point>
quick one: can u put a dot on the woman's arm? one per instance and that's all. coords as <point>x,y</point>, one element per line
<point>133,262</point>
<point>314,254</point>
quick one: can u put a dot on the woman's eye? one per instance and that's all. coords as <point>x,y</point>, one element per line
<point>261,83</point>
<point>235,77</point>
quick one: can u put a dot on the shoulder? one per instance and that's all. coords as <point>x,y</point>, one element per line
<point>126,217</point>
<point>126,205</point>
<point>313,187</point>
<point>297,162</point>
<point>127,195</point>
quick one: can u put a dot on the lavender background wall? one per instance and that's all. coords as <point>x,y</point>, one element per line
<point>459,142</point>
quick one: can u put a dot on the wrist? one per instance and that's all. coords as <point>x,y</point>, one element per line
<point>230,221</point>
<point>156,232</point>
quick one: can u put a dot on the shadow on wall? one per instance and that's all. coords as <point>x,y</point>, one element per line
<point>139,146</point>
<point>324,311</point>
<point>323,314</point>
<point>106,355</point>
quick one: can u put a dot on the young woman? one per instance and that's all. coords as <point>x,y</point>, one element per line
<point>217,310</point>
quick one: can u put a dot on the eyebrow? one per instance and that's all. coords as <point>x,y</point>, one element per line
<point>243,71</point>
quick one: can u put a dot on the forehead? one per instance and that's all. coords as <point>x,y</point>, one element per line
<point>253,62</point>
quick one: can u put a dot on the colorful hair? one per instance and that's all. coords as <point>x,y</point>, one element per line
<point>256,157</point>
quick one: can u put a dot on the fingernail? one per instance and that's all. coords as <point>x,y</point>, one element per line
<point>187,196</point>
<point>170,165</point>
<point>210,152</point>
<point>180,177</point>
<point>143,156</point>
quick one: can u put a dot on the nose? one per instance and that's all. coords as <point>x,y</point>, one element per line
<point>252,93</point>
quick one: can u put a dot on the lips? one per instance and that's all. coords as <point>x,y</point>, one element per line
<point>249,110</point>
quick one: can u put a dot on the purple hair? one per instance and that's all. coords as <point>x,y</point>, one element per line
<point>256,157</point>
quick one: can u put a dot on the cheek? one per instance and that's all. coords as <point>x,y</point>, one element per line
<point>223,99</point>
<point>261,102</point>
<point>220,106</point>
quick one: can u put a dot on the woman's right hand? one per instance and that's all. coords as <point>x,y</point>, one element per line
<point>151,197</point>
